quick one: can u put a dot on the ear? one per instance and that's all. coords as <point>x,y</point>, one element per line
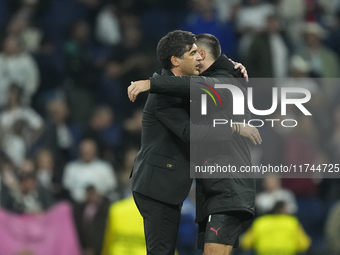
<point>174,61</point>
<point>202,53</point>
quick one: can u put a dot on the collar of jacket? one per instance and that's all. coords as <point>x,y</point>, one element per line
<point>167,72</point>
<point>222,64</point>
<point>163,72</point>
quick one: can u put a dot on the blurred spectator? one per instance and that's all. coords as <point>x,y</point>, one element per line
<point>20,126</point>
<point>125,172</point>
<point>18,67</point>
<point>332,230</point>
<point>276,233</point>
<point>14,143</point>
<point>330,8</point>
<point>45,165</point>
<point>35,198</point>
<point>104,129</point>
<point>273,192</point>
<point>111,90</point>
<point>60,136</point>
<point>31,197</point>
<point>292,14</point>
<point>299,70</point>
<point>52,75</point>
<point>330,188</point>
<point>227,10</point>
<point>131,60</point>
<point>107,26</point>
<point>203,19</point>
<point>8,183</point>
<point>124,228</point>
<point>299,78</point>
<point>28,35</point>
<point>90,218</point>
<point>252,16</point>
<point>333,38</point>
<point>271,49</point>
<point>301,147</point>
<point>250,20</point>
<point>81,70</point>
<point>323,61</point>
<point>89,170</point>
<point>49,174</point>
<point>79,63</point>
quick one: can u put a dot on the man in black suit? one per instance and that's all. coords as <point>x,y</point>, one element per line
<point>160,177</point>
<point>222,204</point>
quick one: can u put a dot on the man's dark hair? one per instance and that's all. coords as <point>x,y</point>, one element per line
<point>211,42</point>
<point>175,43</point>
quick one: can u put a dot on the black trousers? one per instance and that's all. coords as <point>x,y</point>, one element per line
<point>161,223</point>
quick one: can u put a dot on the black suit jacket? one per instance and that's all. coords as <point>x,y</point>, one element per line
<point>161,168</point>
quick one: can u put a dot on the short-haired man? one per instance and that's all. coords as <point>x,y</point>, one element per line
<point>222,204</point>
<point>160,177</point>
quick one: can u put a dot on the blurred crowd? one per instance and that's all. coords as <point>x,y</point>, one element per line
<point>69,132</point>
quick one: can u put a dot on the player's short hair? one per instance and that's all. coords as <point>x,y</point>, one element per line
<point>211,42</point>
<point>175,43</point>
